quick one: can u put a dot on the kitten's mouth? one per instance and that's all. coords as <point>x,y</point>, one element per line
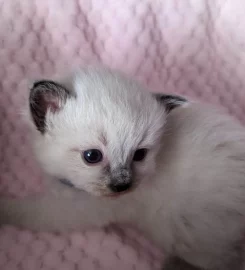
<point>105,192</point>
<point>113,195</point>
<point>121,193</point>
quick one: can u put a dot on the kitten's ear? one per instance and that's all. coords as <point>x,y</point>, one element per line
<point>170,102</point>
<point>46,96</point>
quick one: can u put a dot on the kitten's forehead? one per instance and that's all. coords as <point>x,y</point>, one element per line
<point>118,102</point>
<point>113,110</point>
<point>103,87</point>
<point>112,94</point>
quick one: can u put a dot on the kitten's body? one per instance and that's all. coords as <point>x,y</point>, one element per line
<point>193,207</point>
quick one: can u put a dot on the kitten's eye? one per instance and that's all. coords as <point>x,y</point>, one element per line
<point>140,154</point>
<point>92,156</point>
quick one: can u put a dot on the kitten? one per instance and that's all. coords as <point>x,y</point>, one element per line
<point>119,154</point>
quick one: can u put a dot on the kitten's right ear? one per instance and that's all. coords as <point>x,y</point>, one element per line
<point>170,102</point>
<point>46,96</point>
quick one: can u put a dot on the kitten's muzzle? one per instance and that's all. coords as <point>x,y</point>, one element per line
<point>120,180</point>
<point>120,187</point>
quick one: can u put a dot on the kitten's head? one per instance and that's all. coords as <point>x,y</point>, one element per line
<point>98,130</point>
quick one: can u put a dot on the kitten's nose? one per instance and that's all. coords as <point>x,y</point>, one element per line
<point>119,187</point>
<point>121,179</point>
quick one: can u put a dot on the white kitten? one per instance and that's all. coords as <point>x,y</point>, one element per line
<point>174,170</point>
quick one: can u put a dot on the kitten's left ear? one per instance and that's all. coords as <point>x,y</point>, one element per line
<point>170,102</point>
<point>46,96</point>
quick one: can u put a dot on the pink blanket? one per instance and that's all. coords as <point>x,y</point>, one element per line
<point>196,48</point>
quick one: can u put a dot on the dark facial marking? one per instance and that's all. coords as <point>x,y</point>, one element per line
<point>44,96</point>
<point>170,101</point>
<point>120,180</point>
<point>66,182</point>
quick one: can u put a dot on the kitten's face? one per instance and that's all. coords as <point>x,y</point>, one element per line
<point>102,134</point>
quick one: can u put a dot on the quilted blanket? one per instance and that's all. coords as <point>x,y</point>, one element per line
<point>195,48</point>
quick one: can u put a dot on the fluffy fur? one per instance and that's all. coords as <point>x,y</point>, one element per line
<point>188,194</point>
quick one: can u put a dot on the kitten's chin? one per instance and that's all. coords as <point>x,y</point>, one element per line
<point>109,194</point>
<point>95,190</point>
<point>101,192</point>
<point>115,195</point>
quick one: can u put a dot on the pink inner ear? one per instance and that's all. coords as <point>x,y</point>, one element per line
<point>53,103</point>
<point>53,106</point>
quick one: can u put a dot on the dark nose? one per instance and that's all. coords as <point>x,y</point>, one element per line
<point>119,187</point>
<point>120,179</point>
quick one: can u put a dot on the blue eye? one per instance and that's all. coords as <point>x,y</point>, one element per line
<point>140,154</point>
<point>92,156</point>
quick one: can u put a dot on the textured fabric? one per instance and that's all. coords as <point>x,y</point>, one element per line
<point>196,48</point>
<point>98,249</point>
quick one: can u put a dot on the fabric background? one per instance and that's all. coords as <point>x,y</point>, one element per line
<point>195,48</point>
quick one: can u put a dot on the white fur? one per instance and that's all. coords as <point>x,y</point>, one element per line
<point>103,110</point>
<point>190,197</point>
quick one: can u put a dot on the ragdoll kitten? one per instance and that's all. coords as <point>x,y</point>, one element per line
<point>119,154</point>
